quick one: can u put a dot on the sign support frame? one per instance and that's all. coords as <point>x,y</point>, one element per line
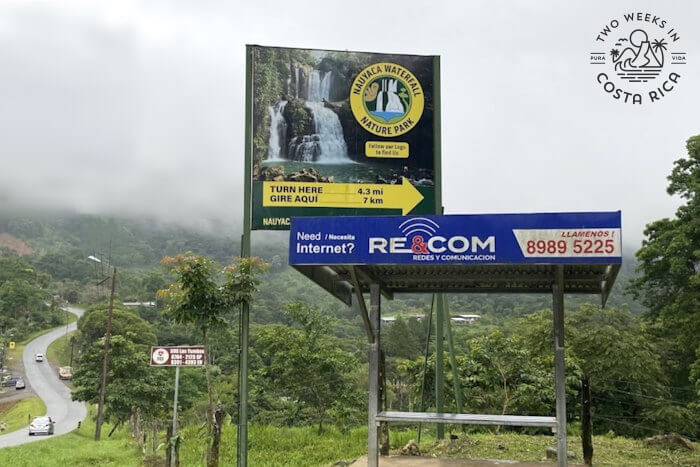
<point>374,402</point>
<point>559,363</point>
<point>244,317</point>
<point>439,209</point>
<point>374,266</point>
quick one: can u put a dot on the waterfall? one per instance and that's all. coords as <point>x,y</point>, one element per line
<point>393,107</point>
<point>278,131</point>
<point>319,87</point>
<point>304,148</point>
<point>380,97</point>
<point>327,143</point>
<point>296,82</point>
<point>394,104</point>
<point>331,141</point>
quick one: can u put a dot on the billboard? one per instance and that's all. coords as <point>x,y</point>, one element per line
<point>178,355</point>
<point>338,133</point>
<point>574,238</point>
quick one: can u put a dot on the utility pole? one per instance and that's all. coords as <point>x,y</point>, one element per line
<point>72,344</point>
<point>105,361</point>
<point>173,446</point>
<point>2,357</point>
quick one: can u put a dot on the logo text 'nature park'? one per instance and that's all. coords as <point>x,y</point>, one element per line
<point>638,58</point>
<point>386,99</point>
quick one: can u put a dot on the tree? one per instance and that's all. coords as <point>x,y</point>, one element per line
<point>618,365</point>
<point>20,299</point>
<point>94,321</point>
<point>499,374</point>
<point>659,45</point>
<point>669,267</point>
<point>132,383</point>
<point>507,377</point>
<point>23,297</point>
<point>201,295</point>
<point>304,370</point>
<point>400,340</point>
<point>132,386</point>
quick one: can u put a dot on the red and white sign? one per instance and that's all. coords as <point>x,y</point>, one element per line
<point>568,243</point>
<point>178,356</point>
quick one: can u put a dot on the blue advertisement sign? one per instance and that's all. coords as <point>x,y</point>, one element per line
<point>546,238</point>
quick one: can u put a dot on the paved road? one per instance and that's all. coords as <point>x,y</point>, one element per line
<point>45,383</point>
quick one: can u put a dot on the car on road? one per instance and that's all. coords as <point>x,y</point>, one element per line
<point>20,384</point>
<point>41,426</point>
<point>65,372</point>
<point>39,357</point>
<point>10,382</point>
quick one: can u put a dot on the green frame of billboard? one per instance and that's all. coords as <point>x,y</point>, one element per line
<point>244,318</point>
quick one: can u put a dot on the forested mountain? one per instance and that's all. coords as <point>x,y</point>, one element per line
<point>61,247</point>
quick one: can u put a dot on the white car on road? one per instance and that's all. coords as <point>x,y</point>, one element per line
<point>41,425</point>
<point>39,357</point>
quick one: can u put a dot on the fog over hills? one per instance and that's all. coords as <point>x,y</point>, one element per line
<point>135,110</point>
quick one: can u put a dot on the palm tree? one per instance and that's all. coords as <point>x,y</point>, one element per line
<point>659,45</point>
<point>614,53</point>
<point>403,94</point>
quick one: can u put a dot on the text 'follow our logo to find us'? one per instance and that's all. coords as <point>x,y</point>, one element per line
<point>638,58</point>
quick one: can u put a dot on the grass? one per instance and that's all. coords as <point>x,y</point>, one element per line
<point>276,446</point>
<point>76,449</point>
<point>59,350</point>
<point>280,446</point>
<point>607,450</point>
<point>17,413</point>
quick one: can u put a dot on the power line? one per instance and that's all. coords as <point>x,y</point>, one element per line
<point>682,404</point>
<point>655,430</point>
<point>687,388</point>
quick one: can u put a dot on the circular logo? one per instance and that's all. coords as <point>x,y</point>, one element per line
<point>387,99</point>
<point>160,356</point>
<point>638,58</point>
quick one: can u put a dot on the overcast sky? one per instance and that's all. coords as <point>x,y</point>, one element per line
<point>137,107</point>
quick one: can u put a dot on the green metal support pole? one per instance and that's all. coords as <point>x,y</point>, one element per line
<point>453,359</point>
<point>437,135</point>
<point>244,319</point>
<point>439,364</point>
<point>439,325</point>
<point>429,320</point>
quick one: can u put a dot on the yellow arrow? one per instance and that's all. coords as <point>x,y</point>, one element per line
<point>342,195</point>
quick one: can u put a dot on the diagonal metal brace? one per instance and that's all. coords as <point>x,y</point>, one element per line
<point>360,299</point>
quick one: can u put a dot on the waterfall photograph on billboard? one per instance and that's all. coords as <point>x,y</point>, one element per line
<point>338,133</point>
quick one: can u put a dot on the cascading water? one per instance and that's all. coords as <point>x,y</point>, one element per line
<point>296,82</point>
<point>394,104</point>
<point>327,143</point>
<point>331,141</point>
<point>380,97</point>
<point>278,132</point>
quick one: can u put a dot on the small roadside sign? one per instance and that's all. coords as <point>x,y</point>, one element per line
<point>178,356</point>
